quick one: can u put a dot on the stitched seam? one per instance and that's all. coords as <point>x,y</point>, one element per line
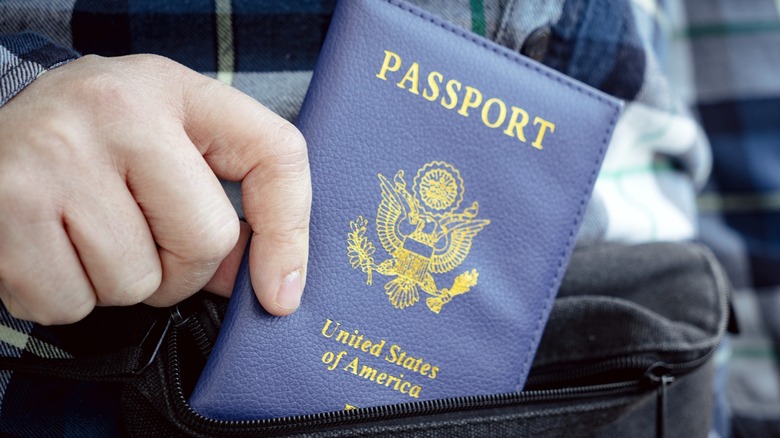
<point>599,156</point>
<point>561,268</point>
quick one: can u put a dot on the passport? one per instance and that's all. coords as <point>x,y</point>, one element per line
<point>450,176</point>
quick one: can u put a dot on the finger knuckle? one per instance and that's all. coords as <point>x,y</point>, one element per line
<point>158,300</point>
<point>289,145</point>
<point>151,62</point>
<point>199,91</point>
<point>65,315</point>
<point>133,290</point>
<point>107,90</point>
<point>45,305</point>
<point>214,238</point>
<point>289,234</point>
<point>288,139</point>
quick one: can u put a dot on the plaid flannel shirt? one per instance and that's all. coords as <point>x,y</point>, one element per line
<point>735,60</point>
<point>678,67</point>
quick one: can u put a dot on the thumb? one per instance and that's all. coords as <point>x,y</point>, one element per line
<point>244,141</point>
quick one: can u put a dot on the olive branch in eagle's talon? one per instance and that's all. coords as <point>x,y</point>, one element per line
<point>360,249</point>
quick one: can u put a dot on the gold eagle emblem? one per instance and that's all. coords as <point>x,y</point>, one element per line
<point>424,234</point>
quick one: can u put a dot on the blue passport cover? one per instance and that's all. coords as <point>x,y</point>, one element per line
<point>450,176</point>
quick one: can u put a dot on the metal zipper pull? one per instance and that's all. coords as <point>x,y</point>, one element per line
<point>659,375</point>
<point>660,408</point>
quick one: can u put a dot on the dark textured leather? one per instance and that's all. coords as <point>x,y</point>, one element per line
<point>358,126</point>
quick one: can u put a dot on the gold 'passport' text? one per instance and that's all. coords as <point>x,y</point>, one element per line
<point>452,94</point>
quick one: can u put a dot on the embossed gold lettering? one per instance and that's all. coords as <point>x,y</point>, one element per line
<point>501,112</point>
<point>517,125</point>
<point>396,355</point>
<point>352,366</point>
<point>343,336</point>
<point>413,76</point>
<point>376,350</point>
<point>401,358</point>
<point>434,80</point>
<point>368,373</point>
<point>542,129</point>
<point>461,97</point>
<point>356,340</point>
<point>392,379</point>
<point>389,56</point>
<point>333,360</point>
<point>393,353</point>
<point>325,329</point>
<point>452,89</point>
<point>472,99</point>
<point>397,383</point>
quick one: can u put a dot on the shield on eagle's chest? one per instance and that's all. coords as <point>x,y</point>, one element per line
<point>413,259</point>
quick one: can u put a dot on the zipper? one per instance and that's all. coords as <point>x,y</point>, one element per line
<point>643,373</point>
<point>651,368</point>
<point>657,373</point>
<point>660,405</point>
<point>311,422</point>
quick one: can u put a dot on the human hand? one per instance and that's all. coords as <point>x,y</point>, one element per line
<point>109,192</point>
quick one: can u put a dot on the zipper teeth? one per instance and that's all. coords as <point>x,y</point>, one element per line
<point>637,363</point>
<point>380,412</point>
<point>199,337</point>
<point>648,367</point>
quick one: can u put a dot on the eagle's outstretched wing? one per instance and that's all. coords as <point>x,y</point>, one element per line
<point>461,229</point>
<point>393,208</point>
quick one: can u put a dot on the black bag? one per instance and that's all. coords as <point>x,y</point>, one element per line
<point>627,352</point>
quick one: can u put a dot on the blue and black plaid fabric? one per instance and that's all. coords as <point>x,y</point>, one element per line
<point>262,35</point>
<point>25,56</point>
<point>683,68</point>
<point>735,59</point>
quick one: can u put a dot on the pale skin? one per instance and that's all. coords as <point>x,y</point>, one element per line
<point>109,191</point>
